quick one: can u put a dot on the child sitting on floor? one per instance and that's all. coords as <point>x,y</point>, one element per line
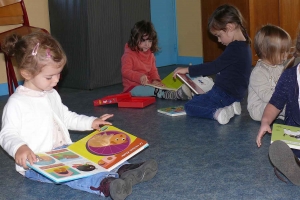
<point>232,68</point>
<point>271,44</point>
<point>139,68</point>
<point>286,94</point>
<point>35,119</point>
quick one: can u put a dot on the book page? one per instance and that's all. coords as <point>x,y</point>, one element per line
<point>161,87</point>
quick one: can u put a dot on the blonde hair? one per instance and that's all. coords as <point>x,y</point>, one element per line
<point>271,42</point>
<point>32,52</point>
<point>296,52</point>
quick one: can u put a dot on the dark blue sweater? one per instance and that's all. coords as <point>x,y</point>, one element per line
<point>287,92</point>
<point>232,69</point>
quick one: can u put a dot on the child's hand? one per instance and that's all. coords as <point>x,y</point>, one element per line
<point>144,80</point>
<point>262,130</point>
<point>158,83</point>
<point>23,154</point>
<point>101,121</point>
<point>180,70</point>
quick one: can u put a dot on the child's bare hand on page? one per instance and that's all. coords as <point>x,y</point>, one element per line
<point>101,121</point>
<point>23,154</point>
<point>144,80</point>
<point>180,70</point>
<point>158,83</point>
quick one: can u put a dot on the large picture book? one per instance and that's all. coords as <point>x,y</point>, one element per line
<point>172,111</point>
<point>100,151</point>
<point>190,83</point>
<point>288,134</point>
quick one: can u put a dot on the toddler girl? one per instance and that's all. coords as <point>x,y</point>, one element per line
<point>35,119</point>
<point>271,44</point>
<point>286,94</point>
<point>139,68</point>
<point>232,68</point>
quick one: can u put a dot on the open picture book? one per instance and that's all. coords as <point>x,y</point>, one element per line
<point>173,111</point>
<point>100,151</point>
<point>161,87</point>
<point>199,85</point>
<point>288,134</point>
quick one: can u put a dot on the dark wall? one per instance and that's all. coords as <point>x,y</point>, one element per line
<point>93,34</point>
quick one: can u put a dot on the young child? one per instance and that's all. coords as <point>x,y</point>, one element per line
<point>232,68</point>
<point>35,120</point>
<point>271,44</point>
<point>139,68</point>
<point>286,94</point>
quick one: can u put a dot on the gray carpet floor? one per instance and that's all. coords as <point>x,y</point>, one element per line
<point>197,158</point>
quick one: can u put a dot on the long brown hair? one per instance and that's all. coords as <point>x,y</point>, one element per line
<point>141,29</point>
<point>225,14</point>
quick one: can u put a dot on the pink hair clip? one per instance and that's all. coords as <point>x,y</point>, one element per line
<point>35,49</point>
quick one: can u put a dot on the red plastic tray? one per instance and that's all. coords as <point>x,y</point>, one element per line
<point>112,99</point>
<point>136,102</point>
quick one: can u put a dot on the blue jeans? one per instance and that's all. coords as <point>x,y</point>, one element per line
<point>205,105</point>
<point>146,91</point>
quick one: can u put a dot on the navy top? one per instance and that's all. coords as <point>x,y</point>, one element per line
<point>232,69</point>
<point>286,93</point>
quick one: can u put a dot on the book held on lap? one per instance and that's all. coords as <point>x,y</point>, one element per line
<point>190,83</point>
<point>100,151</point>
<point>161,87</point>
<point>172,111</point>
<point>199,85</point>
<point>288,134</point>
<point>171,82</point>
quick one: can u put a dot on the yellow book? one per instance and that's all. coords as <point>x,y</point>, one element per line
<point>100,151</point>
<point>171,82</point>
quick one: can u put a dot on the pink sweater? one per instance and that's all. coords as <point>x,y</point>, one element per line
<point>136,64</point>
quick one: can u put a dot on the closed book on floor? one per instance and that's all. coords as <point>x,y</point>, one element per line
<point>172,111</point>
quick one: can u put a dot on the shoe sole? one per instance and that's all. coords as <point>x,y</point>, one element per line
<point>143,173</point>
<point>119,189</point>
<point>283,158</point>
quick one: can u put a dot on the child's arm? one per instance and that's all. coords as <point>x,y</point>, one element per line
<point>23,154</point>
<point>130,71</point>
<point>270,113</point>
<point>101,121</point>
<point>180,70</point>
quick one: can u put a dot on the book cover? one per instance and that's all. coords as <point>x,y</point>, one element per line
<point>288,134</point>
<point>190,83</point>
<point>171,82</point>
<point>172,111</point>
<point>102,150</point>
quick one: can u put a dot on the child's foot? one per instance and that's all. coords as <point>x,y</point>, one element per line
<point>116,188</point>
<point>283,158</point>
<point>224,114</point>
<point>184,92</point>
<point>237,108</point>
<point>136,173</point>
